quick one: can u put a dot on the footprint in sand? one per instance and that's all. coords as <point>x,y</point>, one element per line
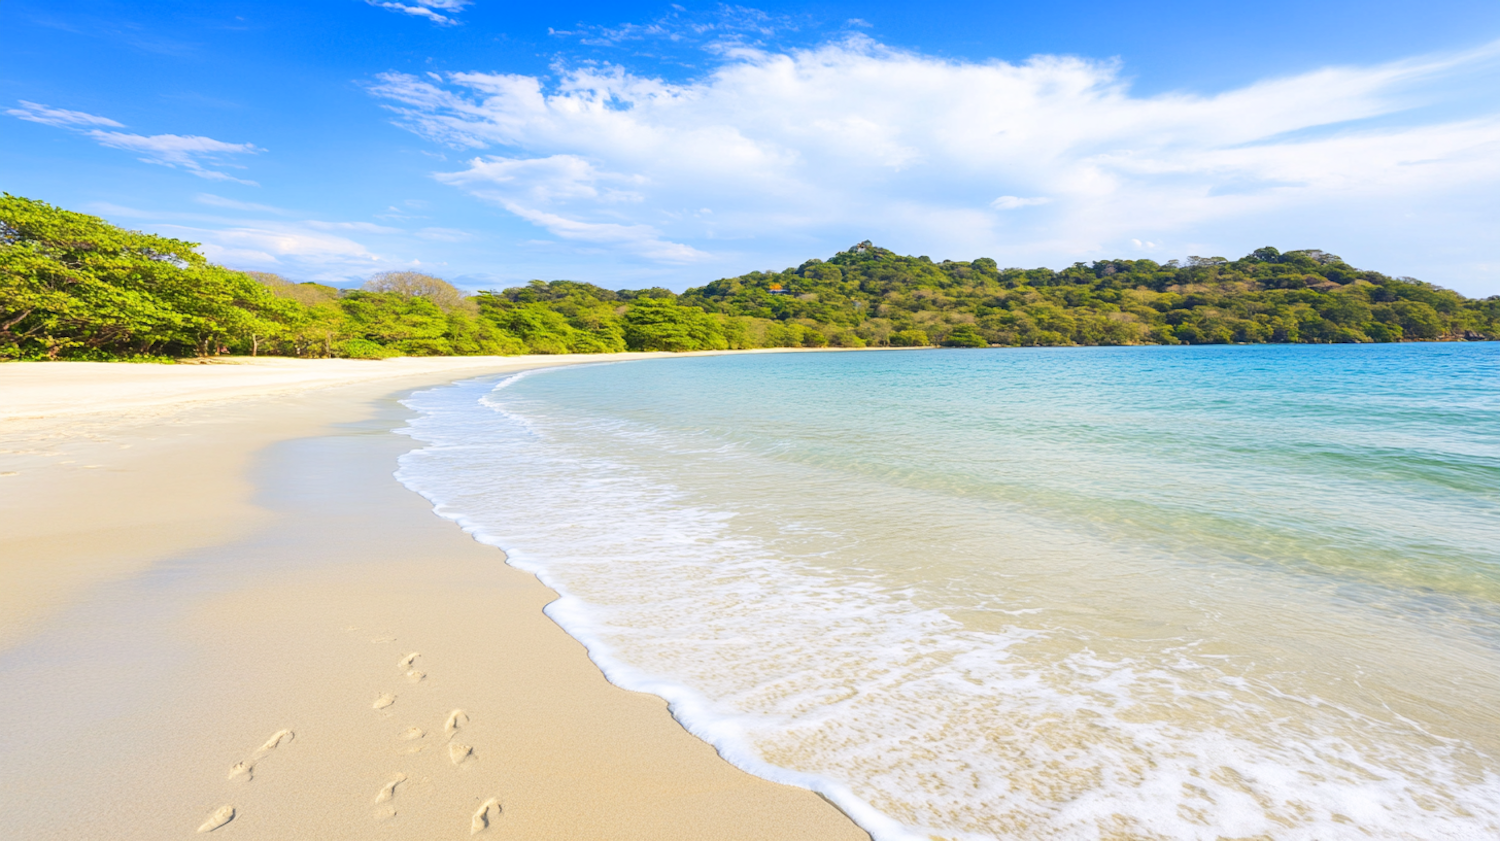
<point>223,815</point>
<point>408,660</point>
<point>415,676</point>
<point>277,739</point>
<point>383,639</point>
<point>460,753</point>
<point>411,734</point>
<point>489,810</point>
<point>456,720</point>
<point>246,769</point>
<point>383,701</point>
<point>388,791</point>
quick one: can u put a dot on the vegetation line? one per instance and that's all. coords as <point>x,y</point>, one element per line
<point>75,287</point>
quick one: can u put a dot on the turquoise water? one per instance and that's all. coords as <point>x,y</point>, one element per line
<point>1056,593</point>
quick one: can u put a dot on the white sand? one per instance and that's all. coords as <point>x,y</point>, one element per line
<point>221,613</point>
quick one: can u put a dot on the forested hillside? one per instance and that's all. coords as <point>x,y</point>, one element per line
<point>75,287</point>
<point>1267,296</point>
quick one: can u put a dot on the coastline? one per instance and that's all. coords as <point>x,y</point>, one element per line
<point>202,563</point>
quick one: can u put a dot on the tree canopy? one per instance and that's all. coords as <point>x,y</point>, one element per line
<point>409,284</point>
<point>75,287</point>
<point>1267,296</point>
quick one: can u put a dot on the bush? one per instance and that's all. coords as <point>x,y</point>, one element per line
<point>425,347</point>
<point>1190,334</point>
<point>544,344</point>
<point>784,335</point>
<point>846,338</point>
<point>364,349</point>
<point>964,335</point>
<point>1049,338</point>
<point>812,337</point>
<point>910,338</point>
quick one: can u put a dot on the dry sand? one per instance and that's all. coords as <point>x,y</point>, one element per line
<point>221,614</point>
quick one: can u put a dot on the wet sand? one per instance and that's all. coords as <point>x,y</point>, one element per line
<point>223,615</point>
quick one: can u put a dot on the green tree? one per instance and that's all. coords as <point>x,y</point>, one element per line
<point>965,335</point>
<point>910,338</point>
<point>662,324</point>
<point>402,326</point>
<point>1417,319</point>
<point>409,284</point>
<point>75,287</point>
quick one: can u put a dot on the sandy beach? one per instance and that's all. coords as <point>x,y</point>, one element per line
<point>222,615</point>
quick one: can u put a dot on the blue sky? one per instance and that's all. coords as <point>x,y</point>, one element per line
<point>637,144</point>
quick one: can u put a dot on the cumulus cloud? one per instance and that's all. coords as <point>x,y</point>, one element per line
<point>195,154</point>
<point>798,151</point>
<point>552,179</point>
<point>536,189</point>
<point>429,9</point>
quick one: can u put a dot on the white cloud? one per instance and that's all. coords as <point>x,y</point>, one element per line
<point>33,112</point>
<point>552,180</point>
<point>192,153</point>
<point>535,189</point>
<point>1016,202</point>
<point>798,152</point>
<point>719,28</point>
<point>643,240</point>
<point>294,249</point>
<point>312,249</point>
<point>428,9</point>
<point>189,152</point>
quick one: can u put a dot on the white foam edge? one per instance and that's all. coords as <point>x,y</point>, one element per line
<point>688,707</point>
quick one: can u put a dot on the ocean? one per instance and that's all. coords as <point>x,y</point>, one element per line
<point>1074,593</point>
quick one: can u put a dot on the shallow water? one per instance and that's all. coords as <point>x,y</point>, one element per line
<point>1076,593</point>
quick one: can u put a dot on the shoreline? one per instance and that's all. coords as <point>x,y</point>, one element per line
<point>240,562</point>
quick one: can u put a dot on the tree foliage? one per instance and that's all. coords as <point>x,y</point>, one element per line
<point>1267,296</point>
<point>74,287</point>
<point>408,284</point>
